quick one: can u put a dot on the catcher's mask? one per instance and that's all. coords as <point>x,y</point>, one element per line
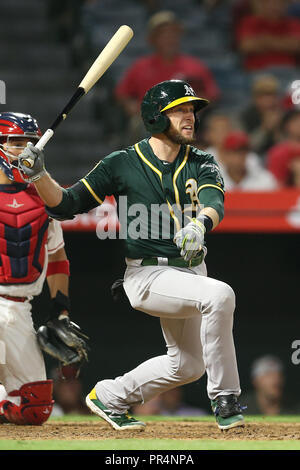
<point>166,95</point>
<point>15,126</point>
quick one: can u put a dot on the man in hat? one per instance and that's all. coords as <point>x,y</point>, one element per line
<point>262,116</point>
<point>268,396</point>
<point>167,62</point>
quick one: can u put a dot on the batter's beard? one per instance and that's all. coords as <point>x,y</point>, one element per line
<point>177,138</point>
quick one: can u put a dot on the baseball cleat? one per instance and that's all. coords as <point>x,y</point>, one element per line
<point>118,421</point>
<point>227,411</point>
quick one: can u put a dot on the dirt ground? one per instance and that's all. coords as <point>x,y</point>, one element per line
<point>154,430</point>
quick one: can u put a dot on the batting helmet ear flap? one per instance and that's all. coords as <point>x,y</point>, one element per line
<point>158,123</point>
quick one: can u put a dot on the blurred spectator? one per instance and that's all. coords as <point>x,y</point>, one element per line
<point>167,62</point>
<point>241,172</point>
<point>268,381</point>
<point>214,130</point>
<point>239,10</point>
<point>262,117</point>
<point>290,159</point>
<point>278,156</point>
<point>269,37</point>
<point>217,127</point>
<point>294,168</point>
<point>68,394</point>
<point>169,403</point>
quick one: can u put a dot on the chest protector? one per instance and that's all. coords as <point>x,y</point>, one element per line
<point>23,234</point>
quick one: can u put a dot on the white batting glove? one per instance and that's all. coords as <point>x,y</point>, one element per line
<point>38,169</point>
<point>190,239</point>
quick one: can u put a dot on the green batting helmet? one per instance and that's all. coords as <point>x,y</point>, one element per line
<point>163,96</point>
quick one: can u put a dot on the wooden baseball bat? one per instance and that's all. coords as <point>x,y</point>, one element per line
<point>104,60</point>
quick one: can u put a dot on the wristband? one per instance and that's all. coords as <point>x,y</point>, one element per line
<point>59,267</point>
<point>206,221</point>
<point>60,303</point>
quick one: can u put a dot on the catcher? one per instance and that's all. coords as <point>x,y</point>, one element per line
<point>31,249</point>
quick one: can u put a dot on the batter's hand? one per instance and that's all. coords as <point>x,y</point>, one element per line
<point>38,169</point>
<point>190,239</point>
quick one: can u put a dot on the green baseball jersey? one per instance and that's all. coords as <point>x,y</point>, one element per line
<point>155,198</point>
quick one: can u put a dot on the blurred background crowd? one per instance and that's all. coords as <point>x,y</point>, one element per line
<point>242,55</point>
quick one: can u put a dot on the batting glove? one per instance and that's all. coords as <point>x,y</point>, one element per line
<point>190,239</point>
<point>38,169</point>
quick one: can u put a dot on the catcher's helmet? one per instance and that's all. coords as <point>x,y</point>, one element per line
<point>14,125</point>
<point>163,96</point>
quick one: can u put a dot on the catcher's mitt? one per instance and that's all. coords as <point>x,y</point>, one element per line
<point>63,340</point>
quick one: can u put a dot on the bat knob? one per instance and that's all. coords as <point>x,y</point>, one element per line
<point>28,162</point>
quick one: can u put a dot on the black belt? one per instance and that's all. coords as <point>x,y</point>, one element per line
<point>177,262</point>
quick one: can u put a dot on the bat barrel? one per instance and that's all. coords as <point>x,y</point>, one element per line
<point>108,55</point>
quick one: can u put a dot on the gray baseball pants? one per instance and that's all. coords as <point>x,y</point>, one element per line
<point>196,316</point>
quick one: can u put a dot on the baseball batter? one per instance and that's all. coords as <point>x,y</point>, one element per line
<point>166,273</point>
<point>31,250</point>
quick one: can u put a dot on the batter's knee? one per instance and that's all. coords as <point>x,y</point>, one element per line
<point>224,298</point>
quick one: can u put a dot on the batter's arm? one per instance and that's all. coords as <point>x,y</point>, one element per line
<point>62,203</point>
<point>86,194</point>
<point>190,239</point>
<point>212,202</point>
<point>212,214</point>
<point>49,190</point>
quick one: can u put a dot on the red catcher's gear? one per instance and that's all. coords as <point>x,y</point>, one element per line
<point>36,403</point>
<point>23,234</point>
<point>13,125</point>
<point>10,169</point>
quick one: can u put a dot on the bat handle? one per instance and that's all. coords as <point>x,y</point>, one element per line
<point>29,162</point>
<point>44,139</point>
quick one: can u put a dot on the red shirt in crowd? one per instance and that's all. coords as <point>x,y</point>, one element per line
<point>279,157</point>
<point>255,26</point>
<point>150,70</point>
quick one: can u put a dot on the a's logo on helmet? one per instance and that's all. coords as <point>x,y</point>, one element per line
<point>189,90</point>
<point>163,94</point>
